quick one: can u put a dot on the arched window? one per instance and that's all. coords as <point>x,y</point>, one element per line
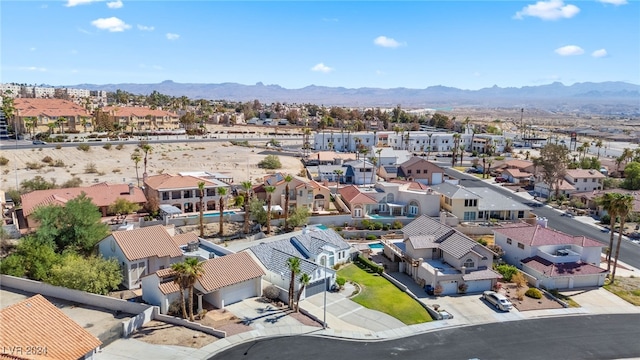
<point>390,198</point>
<point>414,208</point>
<point>469,263</point>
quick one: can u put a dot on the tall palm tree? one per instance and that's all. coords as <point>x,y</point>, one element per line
<point>599,146</point>
<point>181,269</point>
<point>30,123</point>
<point>60,122</point>
<point>379,151</point>
<point>201,196</point>
<point>364,151</point>
<point>269,190</point>
<point>608,202</point>
<point>193,272</point>
<point>624,204</point>
<point>146,149</point>
<point>287,179</point>
<point>84,121</point>
<point>304,281</point>
<point>338,173</point>
<point>222,194</point>
<point>293,264</point>
<point>246,186</point>
<point>51,126</point>
<point>456,145</point>
<point>374,167</point>
<point>136,159</point>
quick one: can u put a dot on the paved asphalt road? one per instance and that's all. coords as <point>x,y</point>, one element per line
<point>574,337</point>
<point>629,252</point>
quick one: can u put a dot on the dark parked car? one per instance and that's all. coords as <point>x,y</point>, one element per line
<point>39,142</point>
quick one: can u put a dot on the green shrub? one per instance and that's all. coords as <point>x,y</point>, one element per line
<point>107,146</point>
<point>364,262</point>
<point>270,162</point>
<point>57,163</point>
<point>90,168</point>
<point>483,242</point>
<point>47,159</point>
<point>340,281</point>
<point>3,161</point>
<point>397,225</point>
<point>534,293</point>
<point>119,146</point>
<point>84,147</point>
<point>371,237</point>
<point>507,271</point>
<point>58,146</point>
<point>33,166</point>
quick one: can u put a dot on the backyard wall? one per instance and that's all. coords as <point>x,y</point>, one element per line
<point>189,324</point>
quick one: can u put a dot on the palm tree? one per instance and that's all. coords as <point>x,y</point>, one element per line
<point>30,123</point>
<point>193,272</point>
<point>456,145</point>
<point>181,269</point>
<point>374,167</point>
<point>84,121</point>
<point>136,159</point>
<point>608,202</point>
<point>287,179</point>
<point>201,196</point>
<point>379,151</point>
<point>599,146</point>
<point>147,149</point>
<point>364,151</point>
<point>60,122</point>
<point>430,147</point>
<point>269,190</point>
<point>293,263</point>
<point>304,281</point>
<point>624,205</point>
<point>51,126</point>
<point>246,185</point>
<point>222,193</point>
<point>338,173</point>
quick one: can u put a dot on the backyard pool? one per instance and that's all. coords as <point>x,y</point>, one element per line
<point>214,214</point>
<point>375,246</point>
<point>322,227</point>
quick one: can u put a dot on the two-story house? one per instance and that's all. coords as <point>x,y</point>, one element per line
<point>302,193</point>
<point>182,191</point>
<point>421,170</point>
<point>403,198</point>
<point>554,259</point>
<point>458,201</point>
<point>37,115</point>
<point>585,180</point>
<point>143,118</point>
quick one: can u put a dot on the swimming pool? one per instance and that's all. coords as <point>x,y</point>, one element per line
<point>215,214</point>
<point>376,246</point>
<point>376,216</point>
<point>322,227</point>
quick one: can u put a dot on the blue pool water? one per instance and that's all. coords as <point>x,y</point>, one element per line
<point>215,214</point>
<point>376,246</point>
<point>376,216</point>
<point>321,226</point>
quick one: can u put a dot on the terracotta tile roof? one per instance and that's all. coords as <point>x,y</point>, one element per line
<point>147,242</point>
<point>228,270</point>
<point>583,173</point>
<point>516,173</point>
<point>163,273</point>
<point>169,181</point>
<point>48,107</point>
<point>139,112</point>
<point>352,195</point>
<point>36,321</point>
<point>184,239</point>
<point>169,287</point>
<point>518,164</point>
<point>564,269</point>
<point>332,155</point>
<point>592,195</point>
<point>413,185</point>
<point>102,194</point>
<point>540,236</point>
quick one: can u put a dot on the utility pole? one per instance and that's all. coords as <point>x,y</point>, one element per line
<point>521,124</point>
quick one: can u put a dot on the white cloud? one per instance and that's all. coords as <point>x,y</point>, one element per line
<point>115,4</point>
<point>171,36</point>
<point>71,3</point>
<point>322,68</point>
<point>33,68</point>
<point>74,71</point>
<point>387,42</point>
<point>614,2</point>
<point>145,28</point>
<point>569,50</point>
<point>548,10</point>
<point>477,74</point>
<point>599,53</point>
<point>84,31</point>
<point>112,24</point>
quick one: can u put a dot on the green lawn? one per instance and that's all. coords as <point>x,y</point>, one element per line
<point>379,294</point>
<point>626,288</point>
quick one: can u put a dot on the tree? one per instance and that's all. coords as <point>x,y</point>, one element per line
<point>269,190</point>
<point>75,226</point>
<point>30,123</point>
<point>304,281</point>
<point>270,162</point>
<point>338,173</point>
<point>193,271</point>
<point>123,206</point>
<point>258,213</point>
<point>136,159</point>
<point>246,186</point>
<point>91,274</point>
<point>146,149</point>
<point>180,280</point>
<point>287,179</point>
<point>608,201</point>
<point>37,183</point>
<point>201,196</point>
<point>222,194</point>
<point>33,258</point>
<point>624,205</point>
<point>298,217</point>
<point>456,145</point>
<point>60,122</point>
<point>554,164</point>
<point>632,176</point>
<point>293,264</point>
<point>599,146</point>
<point>9,109</point>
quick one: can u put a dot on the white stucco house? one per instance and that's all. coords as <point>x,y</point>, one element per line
<point>554,259</point>
<point>225,280</point>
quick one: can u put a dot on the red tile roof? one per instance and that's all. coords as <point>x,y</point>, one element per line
<point>413,185</point>
<point>48,107</point>
<point>139,112</point>
<point>102,194</point>
<point>352,195</point>
<point>585,174</point>
<point>540,236</point>
<point>184,239</point>
<point>147,242</point>
<point>37,322</point>
<point>228,270</point>
<point>565,269</point>
<point>169,181</point>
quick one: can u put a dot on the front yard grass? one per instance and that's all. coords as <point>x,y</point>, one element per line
<point>381,295</point>
<point>626,288</point>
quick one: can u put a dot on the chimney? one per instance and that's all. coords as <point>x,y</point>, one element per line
<point>463,269</point>
<point>305,229</point>
<point>443,217</point>
<point>130,188</point>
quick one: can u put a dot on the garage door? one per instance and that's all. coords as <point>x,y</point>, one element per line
<point>562,283</point>
<point>315,287</point>
<point>238,292</point>
<point>449,287</point>
<point>436,178</point>
<point>585,281</point>
<point>478,286</point>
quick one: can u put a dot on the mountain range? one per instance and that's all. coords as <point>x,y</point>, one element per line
<point>611,98</point>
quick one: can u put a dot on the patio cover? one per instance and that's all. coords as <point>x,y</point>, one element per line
<point>170,209</point>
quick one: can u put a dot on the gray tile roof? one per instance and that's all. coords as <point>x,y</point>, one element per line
<point>318,238</point>
<point>275,260</point>
<point>425,225</point>
<point>454,191</point>
<point>493,200</point>
<point>458,245</point>
<point>423,242</point>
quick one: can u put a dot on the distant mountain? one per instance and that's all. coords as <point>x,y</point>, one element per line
<point>616,98</point>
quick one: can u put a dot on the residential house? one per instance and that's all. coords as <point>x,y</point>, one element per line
<point>102,195</point>
<point>360,172</point>
<point>389,156</point>
<point>590,200</point>
<point>554,259</point>
<point>34,328</point>
<point>302,193</point>
<point>143,118</point>
<point>517,176</point>
<point>403,198</point>
<point>225,280</point>
<point>458,201</point>
<point>440,256</point>
<point>516,171</point>
<point>543,189</point>
<point>182,191</point>
<point>421,170</point>
<point>585,180</point>
<point>359,203</point>
<point>318,251</point>
<point>141,251</point>
<point>64,114</point>
<point>329,158</point>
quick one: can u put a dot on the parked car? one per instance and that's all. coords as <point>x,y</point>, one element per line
<point>497,300</point>
<point>39,142</point>
<point>569,215</point>
<point>501,180</point>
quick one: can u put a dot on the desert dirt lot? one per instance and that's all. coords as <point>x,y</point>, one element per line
<point>115,166</point>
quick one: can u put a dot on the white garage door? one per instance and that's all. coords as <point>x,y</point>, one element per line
<point>585,281</point>
<point>478,286</point>
<point>238,292</point>
<point>449,287</point>
<point>562,283</point>
<point>436,178</point>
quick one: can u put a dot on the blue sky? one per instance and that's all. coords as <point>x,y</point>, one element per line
<point>415,44</point>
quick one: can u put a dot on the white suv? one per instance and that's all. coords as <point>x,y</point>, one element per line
<point>498,300</point>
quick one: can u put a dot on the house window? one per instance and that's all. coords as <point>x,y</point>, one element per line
<point>357,212</point>
<point>186,194</point>
<point>409,172</point>
<point>165,195</point>
<point>211,192</point>
<point>469,263</point>
<point>521,246</point>
<point>175,195</point>
<point>509,241</point>
<point>470,202</point>
<point>520,214</point>
<point>469,215</point>
<point>413,209</point>
<point>480,214</point>
<point>418,171</point>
